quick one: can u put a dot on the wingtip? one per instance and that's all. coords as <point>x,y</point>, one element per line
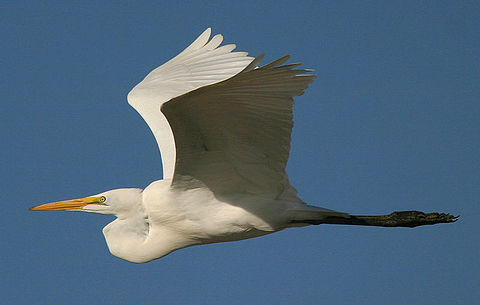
<point>205,36</point>
<point>254,63</point>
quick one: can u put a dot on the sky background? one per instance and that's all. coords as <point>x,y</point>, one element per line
<point>391,123</point>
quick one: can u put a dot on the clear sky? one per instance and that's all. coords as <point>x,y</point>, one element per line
<point>391,123</point>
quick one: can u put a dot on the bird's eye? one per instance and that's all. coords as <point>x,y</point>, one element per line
<point>103,199</point>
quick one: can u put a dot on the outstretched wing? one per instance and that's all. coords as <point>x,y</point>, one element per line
<point>203,63</point>
<point>234,136</point>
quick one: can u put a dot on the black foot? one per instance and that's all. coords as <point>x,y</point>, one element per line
<point>415,218</point>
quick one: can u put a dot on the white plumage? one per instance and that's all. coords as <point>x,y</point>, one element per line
<point>223,127</point>
<point>202,63</point>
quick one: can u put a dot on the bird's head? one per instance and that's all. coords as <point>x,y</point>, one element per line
<point>117,202</point>
<point>126,234</point>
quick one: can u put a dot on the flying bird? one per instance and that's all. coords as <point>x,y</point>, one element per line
<point>223,125</point>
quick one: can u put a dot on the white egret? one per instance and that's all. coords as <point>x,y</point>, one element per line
<point>223,127</point>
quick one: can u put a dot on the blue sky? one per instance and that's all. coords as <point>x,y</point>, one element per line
<point>391,123</point>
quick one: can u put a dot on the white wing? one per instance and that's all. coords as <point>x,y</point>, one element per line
<point>202,63</point>
<point>234,136</point>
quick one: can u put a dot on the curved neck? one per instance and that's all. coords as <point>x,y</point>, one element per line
<point>133,240</point>
<point>124,236</point>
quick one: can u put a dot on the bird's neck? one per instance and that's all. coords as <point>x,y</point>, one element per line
<point>125,236</point>
<point>133,240</point>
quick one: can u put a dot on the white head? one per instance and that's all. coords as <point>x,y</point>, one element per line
<point>117,202</point>
<point>126,234</point>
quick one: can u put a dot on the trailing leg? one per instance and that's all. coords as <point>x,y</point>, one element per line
<point>396,219</point>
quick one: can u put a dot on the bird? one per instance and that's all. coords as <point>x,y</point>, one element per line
<point>223,125</point>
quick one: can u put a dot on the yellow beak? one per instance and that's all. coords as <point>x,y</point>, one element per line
<point>74,204</point>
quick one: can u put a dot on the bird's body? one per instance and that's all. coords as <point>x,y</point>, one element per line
<point>223,127</point>
<point>166,219</point>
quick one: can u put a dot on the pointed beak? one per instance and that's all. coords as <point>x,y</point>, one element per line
<point>74,204</point>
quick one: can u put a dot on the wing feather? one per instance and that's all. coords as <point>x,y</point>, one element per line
<point>234,136</point>
<point>202,63</point>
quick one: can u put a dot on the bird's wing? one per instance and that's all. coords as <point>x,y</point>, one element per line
<point>203,63</point>
<point>234,136</point>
